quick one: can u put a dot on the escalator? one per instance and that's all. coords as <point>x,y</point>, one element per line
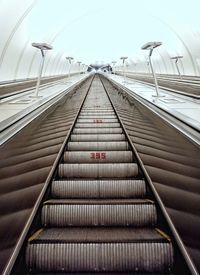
<point>100,215</point>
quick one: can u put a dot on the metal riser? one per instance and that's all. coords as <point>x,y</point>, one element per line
<point>108,170</point>
<point>98,257</point>
<point>101,273</point>
<point>99,116</point>
<point>95,119</point>
<point>98,146</point>
<point>97,125</point>
<point>97,131</point>
<point>91,101</point>
<point>98,137</point>
<point>98,113</point>
<point>137,215</point>
<point>98,189</point>
<point>98,157</point>
<point>97,110</point>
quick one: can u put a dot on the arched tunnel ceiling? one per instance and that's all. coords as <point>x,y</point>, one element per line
<point>97,32</point>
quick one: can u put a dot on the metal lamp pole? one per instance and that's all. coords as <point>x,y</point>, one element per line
<point>151,46</point>
<point>70,60</point>
<point>83,68</point>
<point>79,63</point>
<point>42,47</point>
<point>123,58</point>
<point>176,58</point>
<point>114,62</point>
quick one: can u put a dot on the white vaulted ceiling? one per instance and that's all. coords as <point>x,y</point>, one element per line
<point>97,32</point>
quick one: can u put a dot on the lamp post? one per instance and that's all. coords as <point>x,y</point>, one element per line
<point>123,58</point>
<point>114,63</point>
<point>151,46</point>
<point>70,60</point>
<point>83,68</point>
<point>42,47</point>
<point>79,63</point>
<point>148,64</point>
<point>176,58</point>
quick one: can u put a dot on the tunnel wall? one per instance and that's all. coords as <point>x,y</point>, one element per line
<point>22,22</point>
<point>18,59</point>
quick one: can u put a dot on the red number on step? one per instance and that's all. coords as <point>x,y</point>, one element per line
<point>92,155</point>
<point>98,155</point>
<point>97,120</point>
<point>103,155</point>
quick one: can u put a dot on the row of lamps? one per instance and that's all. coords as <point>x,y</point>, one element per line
<point>151,46</point>
<point>43,47</point>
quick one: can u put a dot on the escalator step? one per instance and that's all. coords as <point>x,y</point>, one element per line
<point>136,213</point>
<point>97,131</point>
<point>97,119</point>
<point>107,146</point>
<point>98,124</point>
<point>97,137</point>
<point>92,116</point>
<point>98,157</point>
<point>100,250</point>
<point>98,170</point>
<point>98,189</point>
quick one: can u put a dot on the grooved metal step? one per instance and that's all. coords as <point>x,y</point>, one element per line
<point>97,137</point>
<point>98,170</point>
<point>98,189</point>
<point>98,146</point>
<point>62,213</point>
<point>97,131</point>
<point>100,250</point>
<point>98,157</point>
<point>96,113</point>
<point>92,116</point>
<point>94,120</point>
<point>98,124</point>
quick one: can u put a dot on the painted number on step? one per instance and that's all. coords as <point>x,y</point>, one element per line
<point>98,155</point>
<point>97,120</point>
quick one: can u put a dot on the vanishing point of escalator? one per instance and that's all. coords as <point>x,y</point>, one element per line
<point>99,217</point>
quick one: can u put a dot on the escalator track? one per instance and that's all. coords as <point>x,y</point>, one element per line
<point>100,215</point>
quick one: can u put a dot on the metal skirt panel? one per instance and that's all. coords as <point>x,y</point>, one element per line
<point>98,170</point>
<point>100,257</point>
<point>98,189</point>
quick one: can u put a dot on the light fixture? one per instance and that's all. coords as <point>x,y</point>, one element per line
<point>70,60</point>
<point>114,63</point>
<point>123,58</point>
<point>151,46</point>
<point>176,58</point>
<point>42,47</point>
<point>79,63</point>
